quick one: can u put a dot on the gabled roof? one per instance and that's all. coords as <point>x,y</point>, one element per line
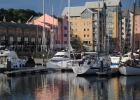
<point>74,11</point>
<point>113,2</point>
<point>49,21</point>
<point>137,11</point>
<point>124,12</point>
<point>90,10</point>
<point>131,10</point>
<point>94,4</point>
<point>18,25</point>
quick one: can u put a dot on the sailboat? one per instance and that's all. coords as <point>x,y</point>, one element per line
<point>62,59</point>
<point>132,66</point>
<point>93,64</point>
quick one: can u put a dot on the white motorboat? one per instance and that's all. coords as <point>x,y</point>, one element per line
<point>92,65</point>
<point>6,55</point>
<point>59,60</point>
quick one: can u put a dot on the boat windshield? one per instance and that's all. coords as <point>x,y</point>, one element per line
<point>65,56</point>
<point>55,60</point>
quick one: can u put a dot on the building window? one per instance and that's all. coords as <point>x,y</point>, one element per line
<point>75,35</point>
<point>84,29</point>
<point>86,14</point>
<point>65,35</point>
<point>65,28</point>
<point>65,42</point>
<point>84,35</point>
<point>87,29</point>
<point>88,35</point>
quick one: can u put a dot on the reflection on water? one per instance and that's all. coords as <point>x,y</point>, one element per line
<point>66,86</point>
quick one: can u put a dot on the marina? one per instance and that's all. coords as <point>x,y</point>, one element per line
<point>88,52</point>
<point>66,85</point>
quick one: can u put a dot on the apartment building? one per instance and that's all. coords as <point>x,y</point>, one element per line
<point>137,28</point>
<point>84,25</point>
<point>113,25</point>
<point>127,29</point>
<point>102,37</point>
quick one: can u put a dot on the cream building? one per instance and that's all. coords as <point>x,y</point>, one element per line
<point>84,25</point>
<point>102,37</point>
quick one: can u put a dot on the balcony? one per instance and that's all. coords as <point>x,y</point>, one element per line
<point>94,39</point>
<point>86,44</point>
<point>94,19</point>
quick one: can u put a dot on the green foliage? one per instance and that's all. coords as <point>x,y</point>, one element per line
<point>16,14</point>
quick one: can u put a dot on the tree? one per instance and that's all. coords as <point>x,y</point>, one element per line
<point>16,14</point>
<point>76,43</point>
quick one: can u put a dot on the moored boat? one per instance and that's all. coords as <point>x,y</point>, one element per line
<point>7,55</point>
<point>91,65</point>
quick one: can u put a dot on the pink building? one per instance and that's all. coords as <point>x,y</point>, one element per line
<point>56,30</point>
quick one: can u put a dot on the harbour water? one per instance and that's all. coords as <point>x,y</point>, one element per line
<point>67,86</point>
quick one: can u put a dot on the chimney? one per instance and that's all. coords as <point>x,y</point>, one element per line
<point>4,19</point>
<point>19,21</point>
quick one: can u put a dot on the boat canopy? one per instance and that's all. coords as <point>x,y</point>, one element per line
<point>90,53</point>
<point>62,53</point>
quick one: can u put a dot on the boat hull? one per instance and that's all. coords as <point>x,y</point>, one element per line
<point>128,70</point>
<point>59,65</point>
<point>83,70</point>
<point>114,62</point>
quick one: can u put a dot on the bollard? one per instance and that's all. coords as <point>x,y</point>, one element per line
<point>9,64</point>
<point>101,67</point>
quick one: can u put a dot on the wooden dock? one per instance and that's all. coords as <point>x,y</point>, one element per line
<point>27,71</point>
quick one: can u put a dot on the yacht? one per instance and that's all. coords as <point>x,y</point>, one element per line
<point>92,64</point>
<point>62,60</point>
<point>7,55</point>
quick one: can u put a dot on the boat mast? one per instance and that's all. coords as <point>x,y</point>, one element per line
<point>98,45</point>
<point>69,27</point>
<point>52,32</point>
<point>133,28</point>
<point>43,36</point>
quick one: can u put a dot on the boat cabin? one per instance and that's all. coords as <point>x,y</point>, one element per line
<point>59,56</point>
<point>5,55</point>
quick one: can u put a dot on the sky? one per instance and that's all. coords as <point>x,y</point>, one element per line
<point>58,5</point>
